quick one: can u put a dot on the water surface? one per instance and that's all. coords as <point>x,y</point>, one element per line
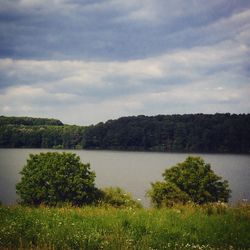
<point>133,171</point>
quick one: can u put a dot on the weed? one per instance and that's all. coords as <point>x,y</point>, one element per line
<point>182,227</point>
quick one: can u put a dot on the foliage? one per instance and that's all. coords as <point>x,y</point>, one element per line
<point>42,136</point>
<point>29,121</point>
<point>177,133</point>
<point>166,194</point>
<point>198,180</point>
<point>52,178</point>
<point>193,177</point>
<point>187,227</point>
<point>117,197</point>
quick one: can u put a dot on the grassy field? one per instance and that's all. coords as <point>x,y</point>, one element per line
<point>189,227</point>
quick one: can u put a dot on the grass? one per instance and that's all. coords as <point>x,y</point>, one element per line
<point>183,227</point>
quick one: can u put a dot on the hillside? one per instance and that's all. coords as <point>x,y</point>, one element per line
<point>28,132</point>
<point>222,133</point>
<point>173,133</point>
<point>28,121</point>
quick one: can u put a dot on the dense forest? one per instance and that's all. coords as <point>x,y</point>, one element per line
<point>167,133</point>
<point>27,132</point>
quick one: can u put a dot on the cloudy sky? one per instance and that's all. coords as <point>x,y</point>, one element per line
<point>86,61</point>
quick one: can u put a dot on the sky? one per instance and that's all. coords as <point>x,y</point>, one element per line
<point>87,61</point>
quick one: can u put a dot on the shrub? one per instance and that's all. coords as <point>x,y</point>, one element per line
<point>53,178</point>
<point>166,194</point>
<point>193,177</point>
<point>198,180</point>
<point>117,197</point>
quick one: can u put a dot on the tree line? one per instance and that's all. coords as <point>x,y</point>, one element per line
<point>28,121</point>
<point>173,133</point>
<point>224,133</point>
<point>28,132</point>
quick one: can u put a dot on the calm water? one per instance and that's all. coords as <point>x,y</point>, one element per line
<point>133,171</point>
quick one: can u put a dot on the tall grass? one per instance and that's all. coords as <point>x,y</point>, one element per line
<point>189,227</point>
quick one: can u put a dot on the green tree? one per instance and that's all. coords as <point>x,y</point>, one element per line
<point>53,178</point>
<point>117,197</point>
<point>166,194</point>
<point>198,180</point>
<point>183,133</point>
<point>193,177</point>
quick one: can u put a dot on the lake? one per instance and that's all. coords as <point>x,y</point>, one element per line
<point>132,171</point>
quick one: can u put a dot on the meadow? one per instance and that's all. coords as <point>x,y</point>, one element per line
<point>181,227</point>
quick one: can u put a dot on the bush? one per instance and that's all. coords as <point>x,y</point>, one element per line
<point>53,178</point>
<point>166,194</point>
<point>193,177</point>
<point>117,197</point>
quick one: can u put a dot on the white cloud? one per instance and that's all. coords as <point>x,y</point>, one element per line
<point>26,91</point>
<point>202,79</point>
<point>231,26</point>
<point>163,11</point>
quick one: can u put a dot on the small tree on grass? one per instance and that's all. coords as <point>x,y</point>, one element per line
<point>166,194</point>
<point>52,178</point>
<point>193,177</point>
<point>117,197</point>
